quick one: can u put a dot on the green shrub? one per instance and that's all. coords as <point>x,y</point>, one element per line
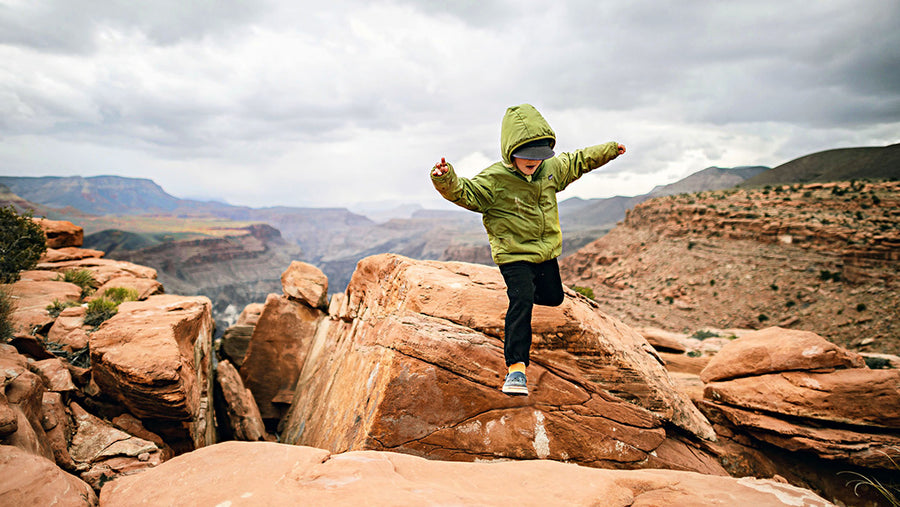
<point>82,278</point>
<point>584,291</point>
<point>704,334</point>
<point>121,294</point>
<point>100,310</point>
<point>22,242</point>
<point>6,310</point>
<point>57,306</point>
<point>861,307</point>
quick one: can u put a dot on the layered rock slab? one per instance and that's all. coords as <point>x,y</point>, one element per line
<point>287,475</point>
<point>413,362</point>
<point>797,391</point>
<point>154,357</point>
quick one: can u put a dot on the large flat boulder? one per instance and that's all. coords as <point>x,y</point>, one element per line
<point>412,361</point>
<point>290,475</point>
<point>153,356</point>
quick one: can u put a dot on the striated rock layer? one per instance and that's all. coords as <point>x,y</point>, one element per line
<point>412,361</point>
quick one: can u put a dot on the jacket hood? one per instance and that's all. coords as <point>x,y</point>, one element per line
<point>522,124</point>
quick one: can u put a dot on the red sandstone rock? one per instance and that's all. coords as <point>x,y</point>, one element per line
<point>69,329</point>
<point>277,351</point>
<point>841,443</point>
<point>288,475</point>
<point>104,452</point>
<point>23,392</point>
<point>775,349</point>
<point>153,356</point>
<point>103,270</point>
<point>305,283</point>
<point>853,396</point>
<point>54,373</point>
<point>243,414</point>
<point>60,233</point>
<point>414,364</point>
<point>69,253</point>
<point>666,341</point>
<point>26,479</point>
<point>145,287</point>
<point>31,300</point>
<point>250,314</point>
<point>55,421</point>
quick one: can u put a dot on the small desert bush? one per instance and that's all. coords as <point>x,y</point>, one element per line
<point>584,291</point>
<point>100,310</point>
<point>121,294</point>
<point>57,306</point>
<point>82,278</point>
<point>6,310</point>
<point>22,242</point>
<point>704,334</point>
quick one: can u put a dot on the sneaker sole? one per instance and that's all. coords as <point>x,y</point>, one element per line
<point>515,390</point>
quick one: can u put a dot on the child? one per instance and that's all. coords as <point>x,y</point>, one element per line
<point>517,200</point>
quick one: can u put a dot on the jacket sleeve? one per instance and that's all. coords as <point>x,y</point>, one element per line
<point>576,164</point>
<point>473,194</point>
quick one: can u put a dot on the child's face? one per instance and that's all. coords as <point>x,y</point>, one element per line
<point>527,167</point>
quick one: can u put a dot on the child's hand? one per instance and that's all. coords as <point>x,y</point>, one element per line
<point>440,168</point>
<point>621,149</point>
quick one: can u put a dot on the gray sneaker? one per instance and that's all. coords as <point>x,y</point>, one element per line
<point>515,384</point>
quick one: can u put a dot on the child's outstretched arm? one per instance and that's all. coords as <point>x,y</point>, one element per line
<point>472,194</point>
<point>579,162</point>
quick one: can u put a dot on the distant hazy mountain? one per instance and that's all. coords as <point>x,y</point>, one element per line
<point>98,195</point>
<point>834,165</point>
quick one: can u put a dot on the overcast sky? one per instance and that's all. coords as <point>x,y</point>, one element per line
<point>285,102</point>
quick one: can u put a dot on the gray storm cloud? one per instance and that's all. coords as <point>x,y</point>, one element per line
<point>204,96</point>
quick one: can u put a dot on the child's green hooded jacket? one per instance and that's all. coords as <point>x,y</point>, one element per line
<point>520,213</point>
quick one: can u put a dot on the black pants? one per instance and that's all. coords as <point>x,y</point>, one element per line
<point>527,284</point>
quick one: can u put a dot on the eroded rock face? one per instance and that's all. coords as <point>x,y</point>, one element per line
<point>285,475</point>
<point>414,363</point>
<point>153,356</point>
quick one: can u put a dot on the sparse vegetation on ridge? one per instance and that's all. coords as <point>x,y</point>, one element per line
<point>22,242</point>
